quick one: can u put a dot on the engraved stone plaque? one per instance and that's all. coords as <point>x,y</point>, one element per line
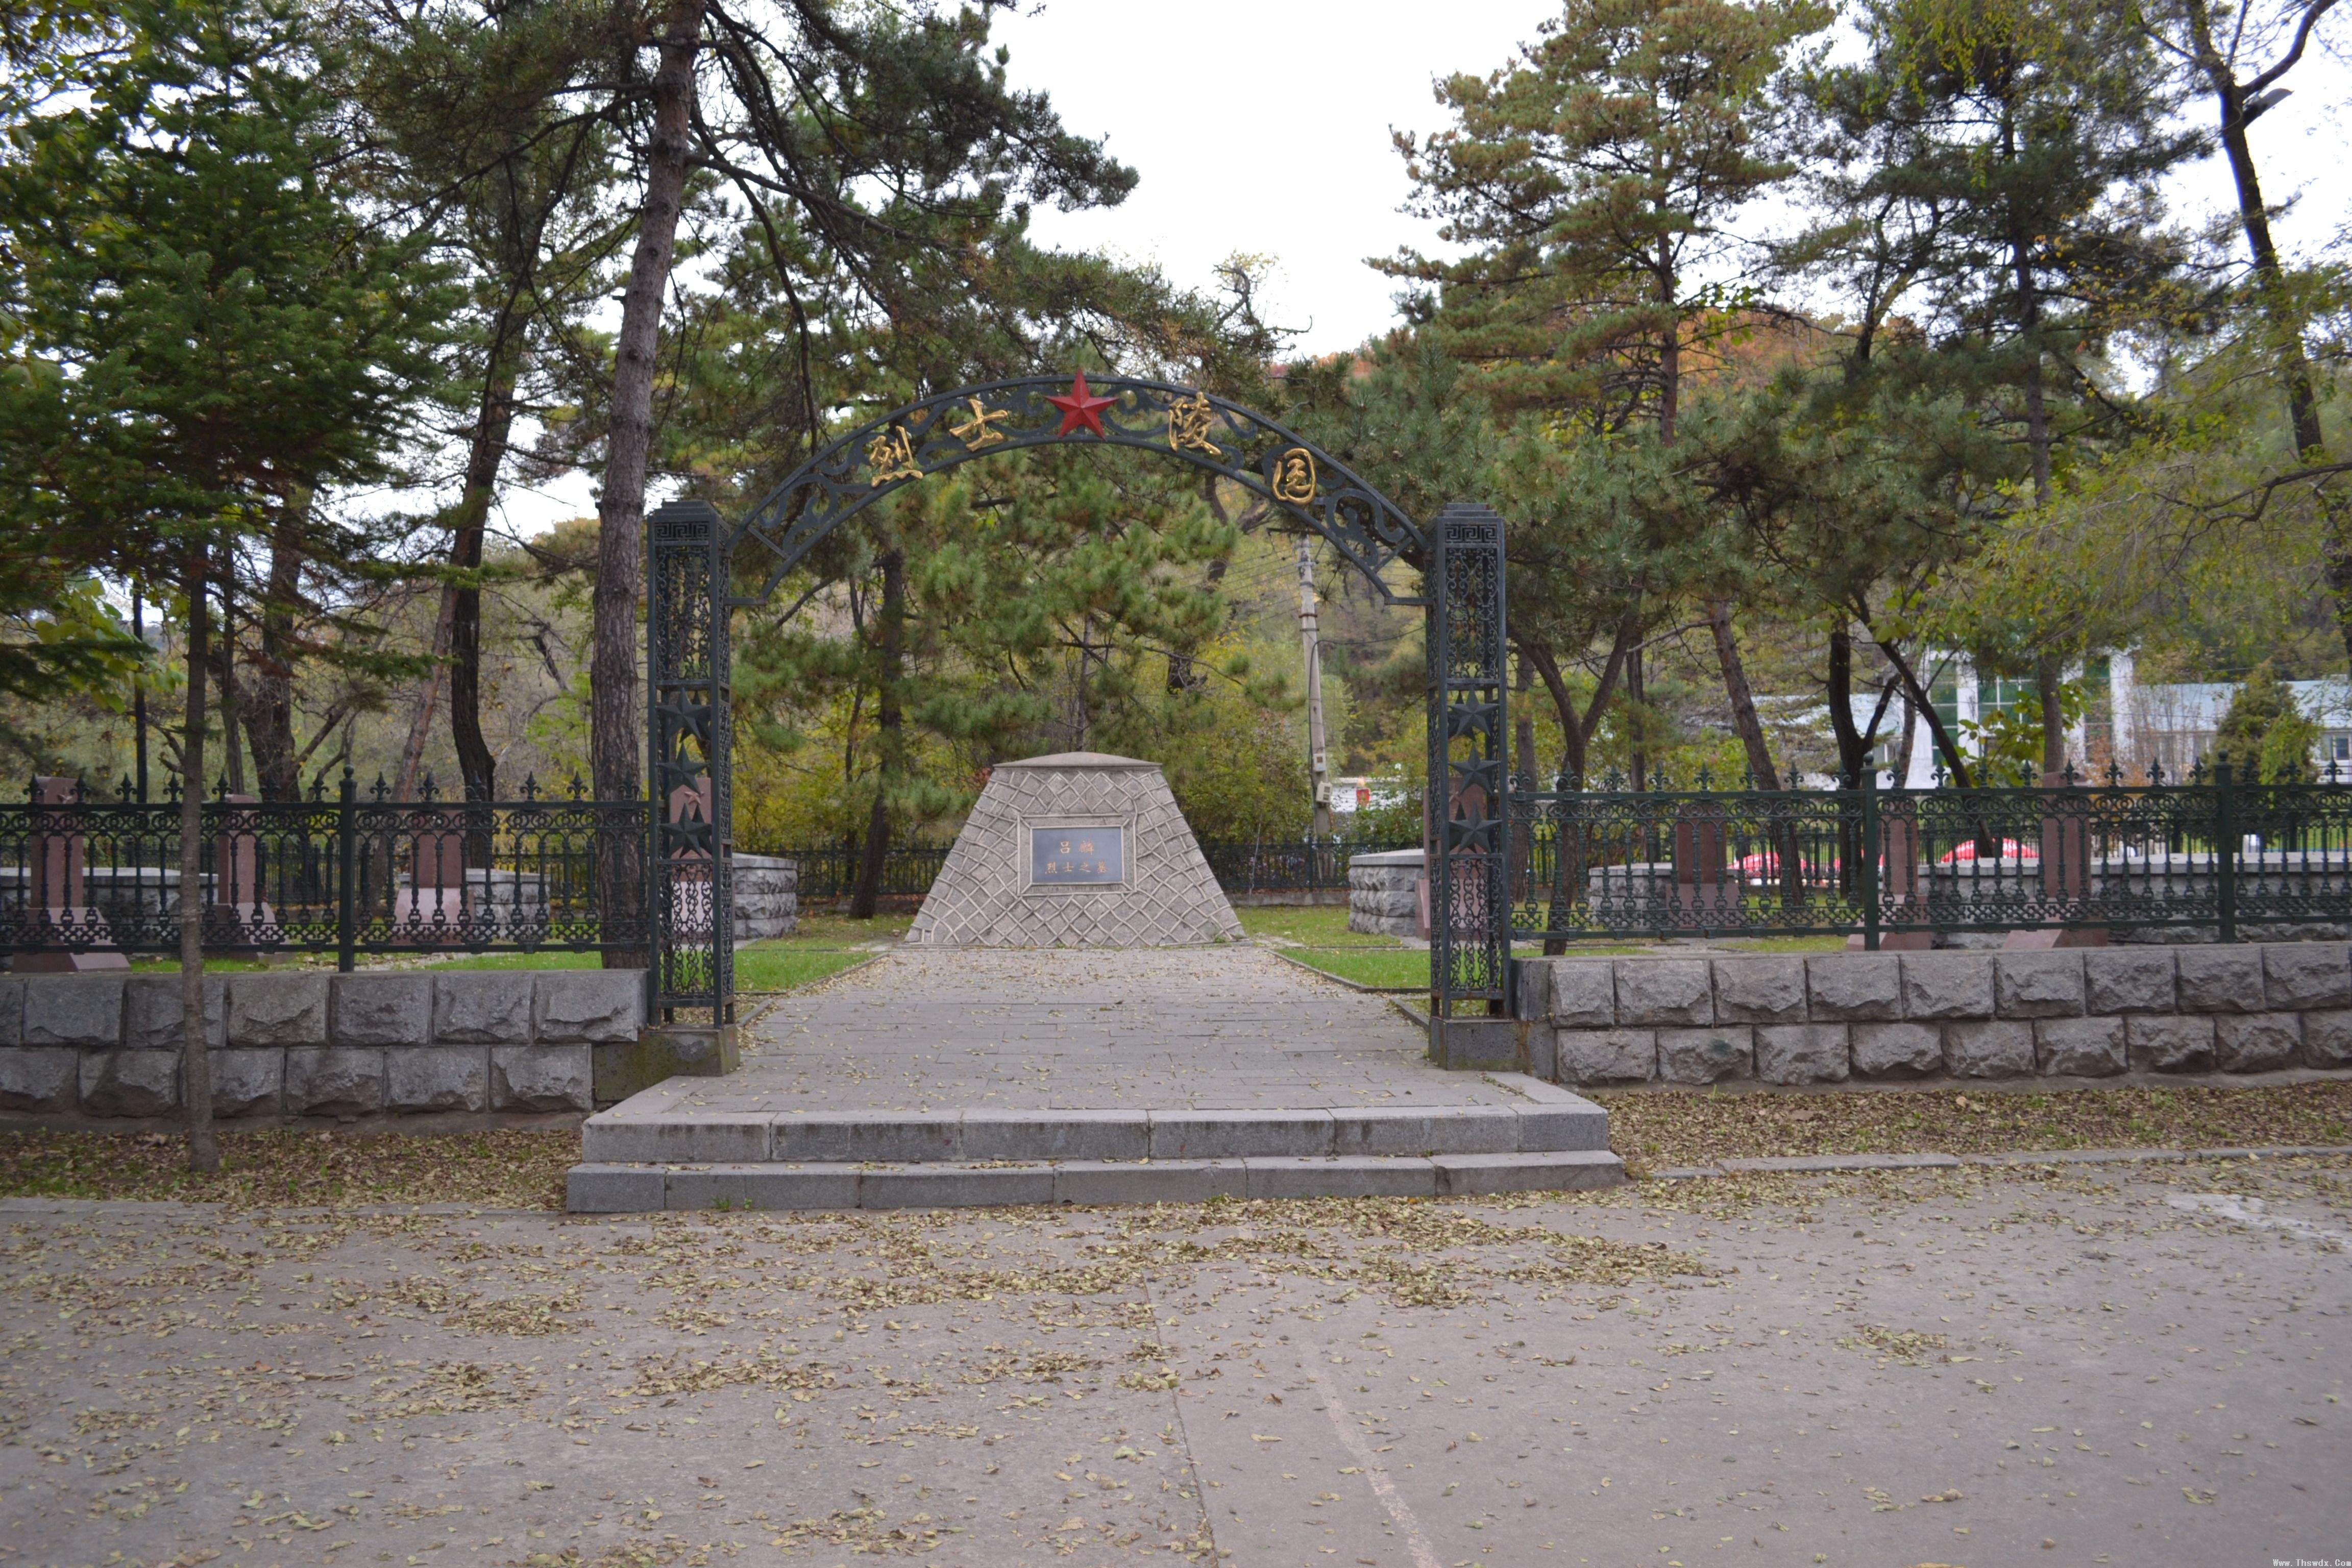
<point>1077,857</point>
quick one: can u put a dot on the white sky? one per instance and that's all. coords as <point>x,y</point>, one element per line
<point>1262,127</point>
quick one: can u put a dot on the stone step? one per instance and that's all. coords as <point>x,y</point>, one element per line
<point>634,1133</point>
<point>599,1187</point>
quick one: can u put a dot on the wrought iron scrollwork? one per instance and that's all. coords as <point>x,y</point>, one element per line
<point>939,432</point>
<point>1469,881</point>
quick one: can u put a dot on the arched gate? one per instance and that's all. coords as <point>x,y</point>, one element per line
<point>695,559</point>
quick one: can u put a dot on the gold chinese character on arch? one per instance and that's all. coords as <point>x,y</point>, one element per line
<point>979,430</point>
<point>891,456</point>
<point>1188,422</point>
<point>1294,476</point>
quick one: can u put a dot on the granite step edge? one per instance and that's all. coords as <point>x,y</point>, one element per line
<point>924,1137</point>
<point>594,1187</point>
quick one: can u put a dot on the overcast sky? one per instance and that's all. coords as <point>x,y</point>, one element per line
<point>1262,127</point>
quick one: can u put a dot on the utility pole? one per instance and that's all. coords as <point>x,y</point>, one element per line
<point>1318,765</point>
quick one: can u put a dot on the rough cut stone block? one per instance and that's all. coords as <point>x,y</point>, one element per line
<point>1454,1128</point>
<point>762,1186</point>
<point>130,1083</point>
<point>1584,993</point>
<point>1760,990</point>
<point>12,1011</point>
<point>487,1008</point>
<point>954,1187</point>
<point>1665,991</point>
<point>899,1136</point>
<point>2079,1047</point>
<point>1053,1135</point>
<point>1999,1047</point>
<point>542,1078</point>
<point>382,1009</point>
<point>620,1189</point>
<point>41,1082</point>
<point>80,1011</point>
<point>437,1077</point>
<point>1543,1051</point>
<point>2039,984</point>
<point>2127,980</point>
<point>1606,1056</point>
<point>153,1015</point>
<point>1703,1055</point>
<point>1349,1176</point>
<point>334,1082</point>
<point>1239,1134</point>
<point>1947,985</point>
<point>1535,984</point>
<point>575,1006</point>
<point>1854,985</point>
<point>2257,1042</point>
<point>2220,979</point>
<point>1160,1182</point>
<point>278,1010</point>
<point>1547,1128</point>
<point>2328,1039</point>
<point>2179,1043</point>
<point>1898,1050</point>
<point>675,1136</point>
<point>1803,1053</point>
<point>1557,1170</point>
<point>246,1083</point>
<point>2300,975</point>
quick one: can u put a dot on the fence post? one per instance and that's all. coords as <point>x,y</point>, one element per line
<point>1866,881</point>
<point>347,861</point>
<point>2225,851</point>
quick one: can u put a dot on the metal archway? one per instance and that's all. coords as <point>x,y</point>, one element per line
<point>690,598</point>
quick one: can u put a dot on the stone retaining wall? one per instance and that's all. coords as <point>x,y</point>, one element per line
<point>1384,893</point>
<point>316,1043</point>
<point>1826,1017</point>
<point>767,896</point>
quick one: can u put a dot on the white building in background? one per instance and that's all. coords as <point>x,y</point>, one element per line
<point>1354,794</point>
<point>2130,724</point>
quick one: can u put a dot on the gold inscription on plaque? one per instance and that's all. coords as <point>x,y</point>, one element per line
<point>979,430</point>
<point>1188,422</point>
<point>1294,476</point>
<point>891,456</point>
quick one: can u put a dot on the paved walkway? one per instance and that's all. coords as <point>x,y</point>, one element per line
<point>1226,1029</point>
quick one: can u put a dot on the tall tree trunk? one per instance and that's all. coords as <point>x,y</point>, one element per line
<point>1854,752</point>
<point>196,1072</point>
<point>2048,675</point>
<point>1637,697</point>
<point>621,510</point>
<point>232,753</point>
<point>1744,721</point>
<point>270,718</point>
<point>1576,729</point>
<point>494,424</point>
<point>428,696</point>
<point>890,739</point>
<point>1947,746</point>
<point>2269,278</point>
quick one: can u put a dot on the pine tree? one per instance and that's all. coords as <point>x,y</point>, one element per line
<point>206,333</point>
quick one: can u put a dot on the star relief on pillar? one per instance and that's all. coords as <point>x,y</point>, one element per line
<point>1080,409</point>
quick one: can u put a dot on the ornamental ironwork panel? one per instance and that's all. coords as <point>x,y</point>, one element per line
<point>351,873</point>
<point>689,892</point>
<point>1469,889</point>
<point>939,432</point>
<point>2213,860</point>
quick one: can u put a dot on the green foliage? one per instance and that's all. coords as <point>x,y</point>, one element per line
<point>2007,742</point>
<point>2266,737</point>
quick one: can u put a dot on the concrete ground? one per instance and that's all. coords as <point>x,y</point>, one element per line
<point>2132,1365</point>
<point>1212,1028</point>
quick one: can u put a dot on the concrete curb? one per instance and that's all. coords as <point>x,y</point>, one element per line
<point>613,1188</point>
<point>1830,1164</point>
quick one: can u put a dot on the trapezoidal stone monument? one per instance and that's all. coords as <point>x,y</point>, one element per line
<point>1078,849</point>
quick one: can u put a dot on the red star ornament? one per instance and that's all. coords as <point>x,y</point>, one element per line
<point>1080,409</point>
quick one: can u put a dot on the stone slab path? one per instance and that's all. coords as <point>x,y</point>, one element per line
<point>969,1078</point>
<point>1224,1028</point>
